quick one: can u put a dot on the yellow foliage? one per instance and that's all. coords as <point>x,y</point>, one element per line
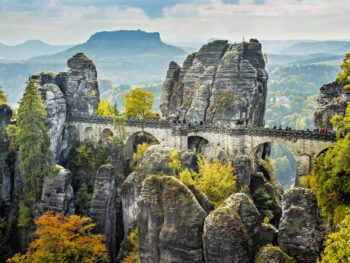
<point>175,162</point>
<point>138,104</point>
<point>92,94</point>
<point>133,257</point>
<point>215,179</point>
<point>3,98</point>
<point>337,245</point>
<point>105,110</point>
<point>266,59</point>
<point>63,239</point>
<point>141,149</point>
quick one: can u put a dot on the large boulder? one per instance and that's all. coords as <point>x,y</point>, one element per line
<point>332,100</point>
<point>222,83</point>
<point>299,233</point>
<point>104,208</point>
<point>155,161</point>
<point>57,194</point>
<point>55,107</point>
<point>231,232</point>
<point>271,254</point>
<point>170,222</point>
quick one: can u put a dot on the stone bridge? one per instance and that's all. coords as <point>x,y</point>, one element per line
<point>242,140</point>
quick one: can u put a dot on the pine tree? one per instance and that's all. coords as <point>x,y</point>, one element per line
<point>33,140</point>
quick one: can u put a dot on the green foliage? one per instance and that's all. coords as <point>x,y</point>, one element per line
<point>5,249</point>
<point>33,141</point>
<point>344,76</point>
<point>263,202</point>
<point>337,245</point>
<point>87,155</point>
<point>330,177</point>
<point>138,104</point>
<point>3,98</point>
<point>268,252</point>
<point>133,256</point>
<point>24,215</point>
<point>83,200</point>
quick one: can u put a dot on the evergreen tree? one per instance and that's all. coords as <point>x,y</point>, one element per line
<point>33,140</point>
<point>3,98</point>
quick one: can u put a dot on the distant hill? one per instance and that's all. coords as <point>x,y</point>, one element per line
<point>126,56</point>
<point>318,47</point>
<point>28,49</point>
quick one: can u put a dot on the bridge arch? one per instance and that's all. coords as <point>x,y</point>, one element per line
<point>198,144</point>
<point>106,134</point>
<point>88,133</point>
<point>136,138</point>
<point>285,161</point>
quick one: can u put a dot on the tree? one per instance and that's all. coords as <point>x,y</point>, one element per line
<point>138,104</point>
<point>141,149</point>
<point>33,141</point>
<point>330,177</point>
<point>3,98</point>
<point>63,239</point>
<point>106,110</point>
<point>337,245</point>
<point>215,179</point>
<point>344,76</point>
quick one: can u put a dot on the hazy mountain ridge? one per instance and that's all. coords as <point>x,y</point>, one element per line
<point>28,49</point>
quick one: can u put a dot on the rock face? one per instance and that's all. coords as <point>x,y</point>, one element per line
<point>170,222</point>
<point>55,107</point>
<point>103,207</point>
<point>299,233</point>
<point>231,232</point>
<point>332,100</point>
<point>66,93</point>
<point>154,161</point>
<point>222,83</point>
<point>57,194</point>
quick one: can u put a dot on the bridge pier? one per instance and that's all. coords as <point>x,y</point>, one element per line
<point>304,166</point>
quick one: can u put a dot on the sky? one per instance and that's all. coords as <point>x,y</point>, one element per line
<point>73,21</point>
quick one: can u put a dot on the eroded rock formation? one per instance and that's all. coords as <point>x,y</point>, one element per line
<point>104,207</point>
<point>74,91</point>
<point>271,254</point>
<point>170,222</point>
<point>299,233</point>
<point>231,232</point>
<point>332,100</point>
<point>57,194</point>
<point>222,83</point>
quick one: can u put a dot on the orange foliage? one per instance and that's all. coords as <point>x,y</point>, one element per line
<point>64,239</point>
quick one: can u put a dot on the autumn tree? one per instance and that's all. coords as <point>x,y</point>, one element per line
<point>33,141</point>
<point>141,149</point>
<point>3,98</point>
<point>217,180</point>
<point>106,110</point>
<point>138,104</point>
<point>344,76</point>
<point>63,239</point>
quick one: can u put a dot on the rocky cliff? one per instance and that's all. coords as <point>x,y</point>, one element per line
<point>74,91</point>
<point>222,83</point>
<point>332,100</point>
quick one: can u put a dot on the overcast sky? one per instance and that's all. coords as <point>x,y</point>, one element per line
<point>73,21</point>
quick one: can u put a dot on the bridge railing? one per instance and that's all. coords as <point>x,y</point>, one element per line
<point>238,130</point>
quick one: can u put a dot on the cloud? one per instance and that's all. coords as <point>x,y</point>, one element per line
<point>73,21</point>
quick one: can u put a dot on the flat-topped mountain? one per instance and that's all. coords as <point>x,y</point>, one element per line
<point>109,45</point>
